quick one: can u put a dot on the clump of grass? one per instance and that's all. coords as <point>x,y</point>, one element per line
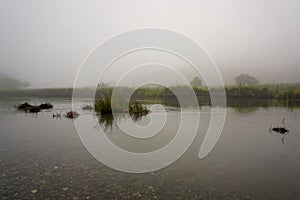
<point>103,105</point>
<point>136,108</point>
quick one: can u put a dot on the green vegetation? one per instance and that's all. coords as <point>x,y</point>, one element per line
<point>266,91</point>
<point>136,108</point>
<point>103,104</point>
<point>279,91</point>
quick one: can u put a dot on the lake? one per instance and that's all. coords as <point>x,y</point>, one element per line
<point>42,157</point>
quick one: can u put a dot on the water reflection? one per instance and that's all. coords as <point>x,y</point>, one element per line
<point>280,130</point>
<point>252,105</point>
<point>240,105</point>
<point>283,135</point>
<point>245,109</point>
<point>248,162</point>
<point>106,121</point>
<point>109,121</point>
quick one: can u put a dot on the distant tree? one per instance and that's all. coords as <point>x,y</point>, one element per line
<point>103,85</point>
<point>196,82</point>
<point>7,82</point>
<point>245,79</point>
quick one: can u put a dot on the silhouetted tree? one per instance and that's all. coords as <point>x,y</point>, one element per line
<point>7,82</point>
<point>245,79</point>
<point>103,85</point>
<point>196,82</point>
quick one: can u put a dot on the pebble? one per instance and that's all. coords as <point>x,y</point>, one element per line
<point>33,191</point>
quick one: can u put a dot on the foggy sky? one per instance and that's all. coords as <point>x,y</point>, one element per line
<point>45,42</point>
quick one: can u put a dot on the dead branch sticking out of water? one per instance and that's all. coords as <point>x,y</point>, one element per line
<point>72,115</point>
<point>56,115</point>
<point>282,129</point>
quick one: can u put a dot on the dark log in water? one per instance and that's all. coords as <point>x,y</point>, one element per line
<point>280,130</point>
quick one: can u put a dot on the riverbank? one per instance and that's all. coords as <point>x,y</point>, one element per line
<point>270,91</point>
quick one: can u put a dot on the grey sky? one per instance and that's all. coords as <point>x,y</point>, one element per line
<point>45,42</point>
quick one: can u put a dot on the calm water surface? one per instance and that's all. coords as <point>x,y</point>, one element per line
<point>43,158</point>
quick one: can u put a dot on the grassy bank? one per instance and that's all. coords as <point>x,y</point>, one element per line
<point>268,91</point>
<point>278,91</point>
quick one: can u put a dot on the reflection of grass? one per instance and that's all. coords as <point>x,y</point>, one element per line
<point>106,121</point>
<point>245,110</point>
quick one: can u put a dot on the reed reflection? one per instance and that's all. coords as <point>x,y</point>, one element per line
<point>108,121</point>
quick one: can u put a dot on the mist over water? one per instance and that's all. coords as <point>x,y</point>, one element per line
<point>103,100</point>
<point>45,43</point>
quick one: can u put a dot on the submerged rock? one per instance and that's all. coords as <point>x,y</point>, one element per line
<point>46,106</point>
<point>26,107</point>
<point>87,107</point>
<point>34,109</point>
